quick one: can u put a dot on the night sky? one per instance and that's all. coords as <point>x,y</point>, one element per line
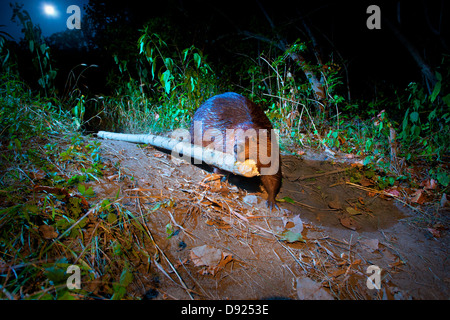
<point>48,24</point>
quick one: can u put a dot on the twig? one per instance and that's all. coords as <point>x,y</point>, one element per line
<point>391,246</point>
<point>193,279</point>
<point>293,256</point>
<point>322,174</point>
<point>179,226</point>
<point>311,207</point>
<point>386,194</point>
<point>162,252</point>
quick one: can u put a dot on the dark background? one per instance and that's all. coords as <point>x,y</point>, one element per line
<point>375,58</point>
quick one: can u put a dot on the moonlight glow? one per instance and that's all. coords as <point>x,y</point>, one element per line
<point>49,10</point>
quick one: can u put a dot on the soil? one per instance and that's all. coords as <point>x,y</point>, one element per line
<point>346,229</point>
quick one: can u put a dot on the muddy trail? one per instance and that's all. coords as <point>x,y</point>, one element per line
<point>218,240</point>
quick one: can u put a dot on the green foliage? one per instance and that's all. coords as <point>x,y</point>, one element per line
<point>162,89</point>
<point>88,155</point>
<point>85,192</point>
<point>131,110</point>
<point>181,79</point>
<point>442,176</point>
<point>23,117</point>
<point>157,87</point>
<point>426,124</point>
<point>423,133</point>
<point>38,209</point>
<point>291,237</point>
<point>78,112</point>
<point>6,64</point>
<point>119,288</point>
<point>38,47</point>
<point>279,84</point>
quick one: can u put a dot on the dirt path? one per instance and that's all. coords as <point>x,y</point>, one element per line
<point>331,263</point>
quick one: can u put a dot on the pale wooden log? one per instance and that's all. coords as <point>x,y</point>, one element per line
<point>212,157</point>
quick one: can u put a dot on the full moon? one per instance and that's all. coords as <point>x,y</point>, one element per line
<point>49,10</point>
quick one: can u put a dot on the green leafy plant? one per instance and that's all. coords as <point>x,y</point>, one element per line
<point>184,80</point>
<point>120,288</point>
<point>78,112</point>
<point>85,192</point>
<point>426,124</point>
<point>291,104</point>
<point>38,47</point>
<point>6,55</point>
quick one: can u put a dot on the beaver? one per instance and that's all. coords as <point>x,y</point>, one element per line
<point>234,124</point>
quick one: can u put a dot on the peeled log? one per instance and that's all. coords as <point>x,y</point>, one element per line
<point>186,150</point>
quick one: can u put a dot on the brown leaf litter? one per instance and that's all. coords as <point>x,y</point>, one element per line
<point>222,247</point>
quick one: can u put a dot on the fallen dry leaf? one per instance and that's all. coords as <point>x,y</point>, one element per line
<point>159,155</point>
<point>357,164</point>
<point>112,177</point>
<point>47,232</point>
<point>392,192</point>
<point>349,223</point>
<point>212,258</point>
<point>337,273</point>
<point>356,262</point>
<point>213,181</point>
<point>418,197</point>
<point>365,182</point>
<point>335,204</point>
<point>370,245</point>
<point>429,184</point>
<point>218,222</point>
<point>205,255</point>
<point>352,211</point>
<point>308,289</point>
<point>84,202</point>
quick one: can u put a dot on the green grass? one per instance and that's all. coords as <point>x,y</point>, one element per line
<point>51,217</point>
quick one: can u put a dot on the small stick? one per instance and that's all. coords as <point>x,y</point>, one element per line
<point>163,254</point>
<point>322,174</point>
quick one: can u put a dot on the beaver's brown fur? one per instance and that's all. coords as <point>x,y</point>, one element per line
<point>234,111</point>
